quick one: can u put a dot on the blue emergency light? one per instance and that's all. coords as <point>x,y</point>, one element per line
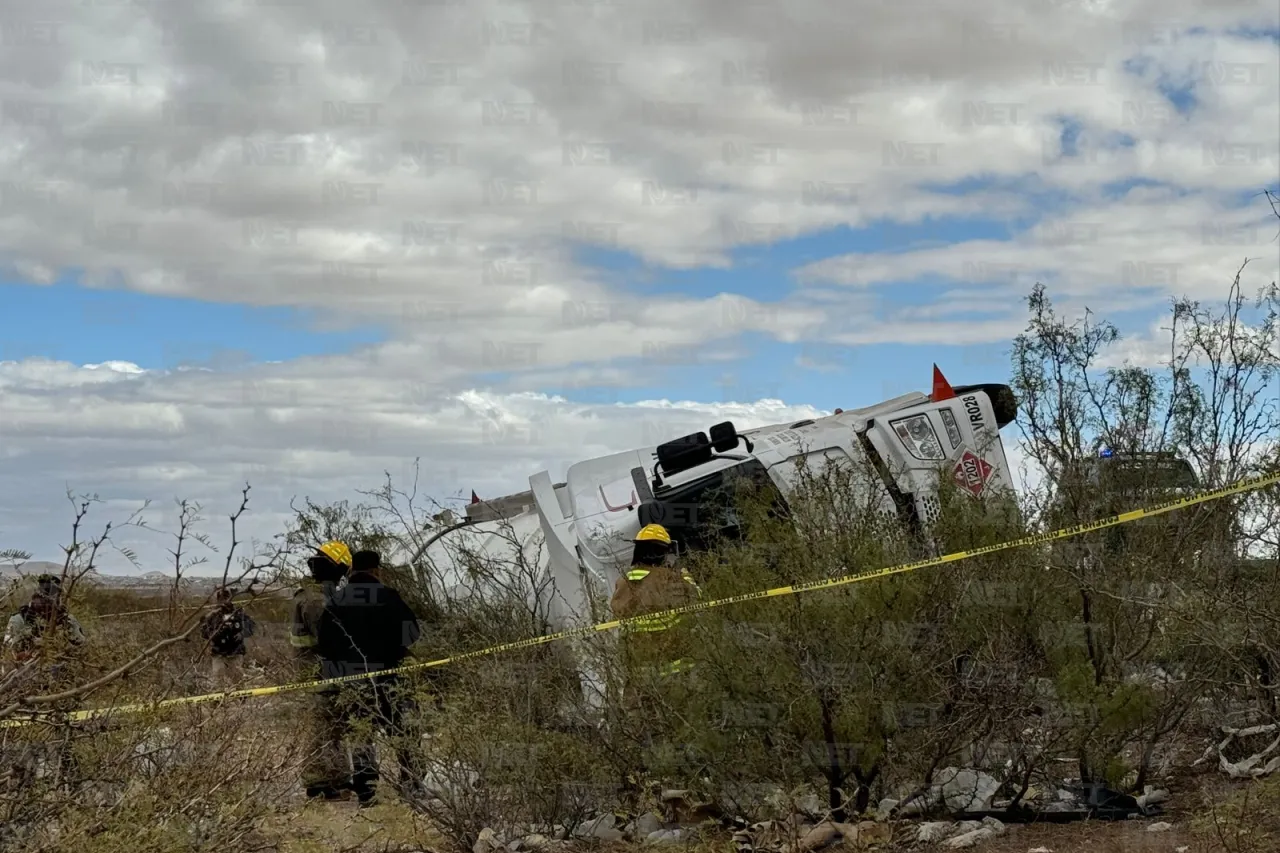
<point>1105,453</point>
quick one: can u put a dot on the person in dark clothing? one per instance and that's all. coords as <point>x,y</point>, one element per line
<point>367,628</point>
<point>225,629</point>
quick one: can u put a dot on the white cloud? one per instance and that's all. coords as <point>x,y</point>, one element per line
<point>455,143</point>
<point>1150,245</point>
<point>426,165</point>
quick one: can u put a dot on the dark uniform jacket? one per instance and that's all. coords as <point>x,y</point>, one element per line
<point>365,627</point>
<point>226,629</point>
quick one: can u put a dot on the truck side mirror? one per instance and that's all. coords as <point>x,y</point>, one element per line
<point>724,437</point>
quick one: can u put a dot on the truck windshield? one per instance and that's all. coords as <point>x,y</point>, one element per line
<point>700,513</point>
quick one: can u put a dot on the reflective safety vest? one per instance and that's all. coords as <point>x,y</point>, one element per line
<point>308,605</point>
<point>635,596</point>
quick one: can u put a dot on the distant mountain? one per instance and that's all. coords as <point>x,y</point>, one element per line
<point>149,581</point>
<point>30,569</point>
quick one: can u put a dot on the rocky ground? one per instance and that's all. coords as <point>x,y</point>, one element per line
<point>1205,814</point>
<point>390,828</point>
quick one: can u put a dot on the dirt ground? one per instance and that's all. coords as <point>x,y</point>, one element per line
<point>320,827</point>
<point>1092,837</point>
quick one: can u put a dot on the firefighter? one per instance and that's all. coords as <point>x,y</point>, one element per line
<point>654,583</point>
<point>327,773</point>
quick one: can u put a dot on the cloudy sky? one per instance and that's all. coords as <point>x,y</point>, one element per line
<point>301,242</point>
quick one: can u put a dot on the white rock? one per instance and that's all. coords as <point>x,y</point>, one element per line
<point>1040,850</point>
<point>918,806</point>
<point>535,841</point>
<point>968,826</point>
<point>486,842</point>
<point>994,825</point>
<point>443,783</point>
<point>1162,826</point>
<point>1151,796</point>
<point>967,790</point>
<point>928,833</point>
<point>663,836</point>
<point>809,804</point>
<point>969,839</point>
<point>886,805</point>
<point>158,751</point>
<point>601,827</point>
<point>644,826</point>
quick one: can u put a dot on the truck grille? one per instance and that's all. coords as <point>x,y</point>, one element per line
<point>930,509</point>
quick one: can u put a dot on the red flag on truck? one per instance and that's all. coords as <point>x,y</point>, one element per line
<point>475,499</point>
<point>941,387</point>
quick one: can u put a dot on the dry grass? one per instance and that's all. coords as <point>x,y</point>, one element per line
<point>304,827</point>
<point>1209,814</point>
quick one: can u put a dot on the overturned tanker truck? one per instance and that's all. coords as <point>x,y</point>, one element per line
<point>575,536</point>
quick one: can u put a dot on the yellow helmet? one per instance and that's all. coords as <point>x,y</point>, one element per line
<point>653,533</point>
<point>337,551</point>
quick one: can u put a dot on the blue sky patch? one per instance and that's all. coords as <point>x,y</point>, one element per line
<point>765,272</point>
<point>1255,33</point>
<point>86,326</point>
<point>1183,97</point>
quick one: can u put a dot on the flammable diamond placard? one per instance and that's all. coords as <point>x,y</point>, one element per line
<point>972,473</point>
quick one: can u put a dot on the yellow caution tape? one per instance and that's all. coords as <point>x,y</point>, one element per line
<point>1240,487</point>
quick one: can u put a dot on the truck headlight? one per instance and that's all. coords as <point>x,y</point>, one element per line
<point>953,431</point>
<point>919,437</point>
